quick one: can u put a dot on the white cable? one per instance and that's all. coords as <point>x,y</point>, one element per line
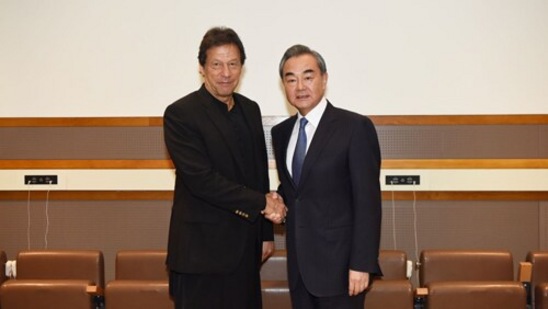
<point>415,223</point>
<point>394,238</point>
<point>47,217</point>
<point>28,217</point>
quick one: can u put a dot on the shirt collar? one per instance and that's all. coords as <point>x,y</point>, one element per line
<point>315,114</point>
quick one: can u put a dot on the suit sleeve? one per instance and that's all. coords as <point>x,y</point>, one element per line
<point>194,167</point>
<point>365,163</point>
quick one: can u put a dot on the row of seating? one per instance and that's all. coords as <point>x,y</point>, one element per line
<point>447,279</point>
<point>75,280</point>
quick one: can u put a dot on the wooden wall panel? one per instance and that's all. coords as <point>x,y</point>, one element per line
<point>115,220</point>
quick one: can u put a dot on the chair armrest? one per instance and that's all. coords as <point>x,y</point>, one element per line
<point>421,292</point>
<point>525,272</point>
<point>94,290</point>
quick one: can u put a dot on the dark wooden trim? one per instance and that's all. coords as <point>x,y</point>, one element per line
<point>465,164</point>
<point>377,119</point>
<point>168,195</point>
<point>86,164</point>
<point>467,195</point>
<point>386,164</point>
<point>87,195</point>
<point>82,122</point>
<point>461,120</point>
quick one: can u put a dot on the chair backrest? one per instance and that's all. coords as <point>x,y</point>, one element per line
<point>465,265</point>
<point>393,264</point>
<point>141,265</point>
<point>62,264</point>
<point>3,260</point>
<point>482,294</point>
<point>541,296</point>
<point>539,260</point>
<point>275,268</point>
<point>45,294</point>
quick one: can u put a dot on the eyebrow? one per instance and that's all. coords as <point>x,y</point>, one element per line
<point>293,74</point>
<point>228,61</point>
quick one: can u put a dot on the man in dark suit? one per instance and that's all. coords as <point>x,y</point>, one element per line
<point>330,184</point>
<point>218,235</point>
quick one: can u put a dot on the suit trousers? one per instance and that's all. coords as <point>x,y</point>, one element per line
<point>301,298</point>
<point>240,289</point>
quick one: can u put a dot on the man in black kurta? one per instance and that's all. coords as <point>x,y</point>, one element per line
<point>218,234</point>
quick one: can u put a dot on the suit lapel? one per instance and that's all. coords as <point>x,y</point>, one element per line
<point>285,135</point>
<point>323,133</point>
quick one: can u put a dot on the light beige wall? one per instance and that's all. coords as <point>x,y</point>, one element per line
<point>396,57</point>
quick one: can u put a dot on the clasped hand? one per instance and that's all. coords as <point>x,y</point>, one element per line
<point>275,209</point>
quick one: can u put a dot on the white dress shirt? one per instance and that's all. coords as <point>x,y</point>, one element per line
<point>313,118</point>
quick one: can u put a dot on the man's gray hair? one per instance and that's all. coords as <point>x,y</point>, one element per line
<point>299,50</point>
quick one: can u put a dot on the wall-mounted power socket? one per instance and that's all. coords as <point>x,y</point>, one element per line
<point>40,179</point>
<point>403,180</point>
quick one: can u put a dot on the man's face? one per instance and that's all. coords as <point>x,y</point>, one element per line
<point>303,82</point>
<point>222,71</point>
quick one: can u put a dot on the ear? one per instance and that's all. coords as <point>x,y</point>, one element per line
<point>325,77</point>
<point>201,70</point>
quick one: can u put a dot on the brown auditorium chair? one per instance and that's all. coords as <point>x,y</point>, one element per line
<point>3,260</point>
<point>470,279</point>
<point>541,296</point>
<point>274,286</point>
<point>55,279</point>
<point>393,290</point>
<point>465,265</point>
<point>474,294</point>
<point>141,281</point>
<point>539,278</point>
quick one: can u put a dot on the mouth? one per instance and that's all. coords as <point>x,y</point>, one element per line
<point>225,83</point>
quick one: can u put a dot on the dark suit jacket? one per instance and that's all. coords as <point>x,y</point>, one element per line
<point>215,213</point>
<point>334,217</point>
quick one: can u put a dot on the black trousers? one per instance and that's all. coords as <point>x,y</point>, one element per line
<point>240,289</point>
<point>302,299</point>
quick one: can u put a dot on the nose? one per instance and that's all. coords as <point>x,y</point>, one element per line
<point>300,84</point>
<point>225,70</point>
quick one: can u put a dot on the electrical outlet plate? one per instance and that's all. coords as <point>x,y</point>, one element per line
<point>391,180</point>
<point>41,179</point>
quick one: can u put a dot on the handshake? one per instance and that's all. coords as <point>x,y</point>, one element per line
<point>275,209</point>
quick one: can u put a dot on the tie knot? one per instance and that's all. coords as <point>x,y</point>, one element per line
<point>303,123</point>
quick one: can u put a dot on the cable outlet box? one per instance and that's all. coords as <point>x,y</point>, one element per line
<point>40,179</point>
